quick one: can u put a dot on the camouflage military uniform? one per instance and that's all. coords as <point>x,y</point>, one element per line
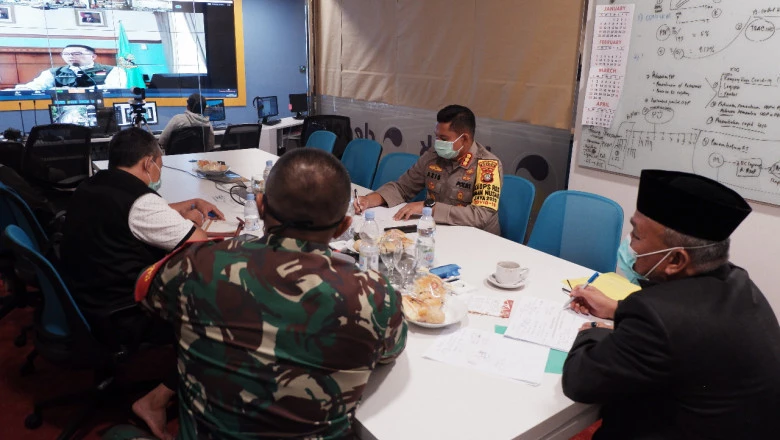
<point>276,339</point>
<point>466,191</point>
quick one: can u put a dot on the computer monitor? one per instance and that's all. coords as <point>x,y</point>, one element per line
<point>267,107</point>
<point>79,114</point>
<point>215,109</point>
<point>125,116</point>
<point>299,103</point>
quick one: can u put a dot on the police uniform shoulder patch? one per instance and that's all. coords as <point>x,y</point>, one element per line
<point>487,188</point>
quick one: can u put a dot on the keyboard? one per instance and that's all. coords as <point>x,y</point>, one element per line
<point>220,126</point>
<point>156,132</point>
<point>272,122</point>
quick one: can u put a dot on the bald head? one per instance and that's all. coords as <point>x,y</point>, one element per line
<point>309,185</point>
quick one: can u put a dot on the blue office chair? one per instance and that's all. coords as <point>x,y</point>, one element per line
<point>580,227</point>
<point>324,140</point>
<point>393,166</point>
<point>64,337</point>
<point>514,207</point>
<point>14,211</point>
<point>360,158</point>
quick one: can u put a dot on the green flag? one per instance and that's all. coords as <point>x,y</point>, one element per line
<point>126,60</point>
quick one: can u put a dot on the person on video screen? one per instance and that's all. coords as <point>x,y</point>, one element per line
<point>81,70</point>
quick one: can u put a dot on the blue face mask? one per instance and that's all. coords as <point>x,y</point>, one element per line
<point>155,186</point>
<point>445,149</point>
<point>627,257</point>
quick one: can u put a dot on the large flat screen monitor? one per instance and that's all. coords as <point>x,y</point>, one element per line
<point>125,116</point>
<point>79,114</point>
<point>215,109</point>
<point>173,48</point>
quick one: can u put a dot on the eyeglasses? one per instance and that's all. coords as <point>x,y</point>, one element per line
<point>75,54</point>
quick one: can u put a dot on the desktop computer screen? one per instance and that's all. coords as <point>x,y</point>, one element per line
<point>299,103</point>
<point>215,109</point>
<point>125,116</point>
<point>267,107</point>
<point>77,96</point>
<point>79,114</point>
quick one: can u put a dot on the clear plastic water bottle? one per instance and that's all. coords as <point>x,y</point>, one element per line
<point>369,246</point>
<point>350,232</point>
<point>251,216</point>
<point>426,245</point>
<point>268,165</point>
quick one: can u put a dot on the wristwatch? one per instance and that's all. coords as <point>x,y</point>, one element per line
<point>428,203</point>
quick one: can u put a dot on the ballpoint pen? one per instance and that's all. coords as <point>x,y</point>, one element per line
<point>356,200</point>
<point>590,280</point>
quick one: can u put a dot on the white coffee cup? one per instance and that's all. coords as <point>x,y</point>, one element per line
<point>510,272</point>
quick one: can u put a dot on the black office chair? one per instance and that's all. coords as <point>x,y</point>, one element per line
<point>187,140</point>
<point>241,136</point>
<point>65,338</point>
<point>57,156</point>
<point>338,125</point>
<point>11,155</point>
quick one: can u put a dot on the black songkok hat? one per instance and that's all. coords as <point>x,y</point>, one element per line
<point>690,204</point>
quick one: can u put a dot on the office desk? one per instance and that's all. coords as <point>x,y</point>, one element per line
<point>416,398</point>
<point>270,139</point>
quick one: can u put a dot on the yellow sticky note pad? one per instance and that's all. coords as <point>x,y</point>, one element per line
<point>612,284</point>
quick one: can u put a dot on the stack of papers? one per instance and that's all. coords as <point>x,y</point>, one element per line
<point>611,284</point>
<point>543,322</point>
<point>491,353</point>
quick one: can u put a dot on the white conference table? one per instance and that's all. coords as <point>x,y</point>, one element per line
<point>417,398</point>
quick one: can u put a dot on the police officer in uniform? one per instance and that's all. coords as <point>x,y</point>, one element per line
<point>462,178</point>
<point>81,71</point>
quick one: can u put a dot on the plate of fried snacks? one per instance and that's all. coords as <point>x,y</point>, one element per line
<point>212,167</point>
<point>430,305</point>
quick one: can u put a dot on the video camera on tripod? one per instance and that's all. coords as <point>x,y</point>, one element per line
<point>137,104</point>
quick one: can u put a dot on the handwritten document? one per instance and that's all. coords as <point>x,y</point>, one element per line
<point>491,353</point>
<point>490,305</point>
<point>545,323</point>
<point>611,37</point>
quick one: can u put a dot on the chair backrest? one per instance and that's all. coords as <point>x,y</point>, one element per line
<point>393,166</point>
<point>14,211</point>
<point>58,155</point>
<point>11,155</point>
<point>324,140</point>
<point>59,318</point>
<point>361,158</point>
<point>580,227</point>
<point>339,125</point>
<point>241,136</point>
<point>187,140</point>
<point>514,207</point>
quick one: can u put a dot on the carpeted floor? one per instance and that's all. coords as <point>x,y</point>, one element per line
<point>17,392</point>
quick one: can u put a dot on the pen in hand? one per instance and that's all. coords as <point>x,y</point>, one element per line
<point>590,280</point>
<point>357,202</point>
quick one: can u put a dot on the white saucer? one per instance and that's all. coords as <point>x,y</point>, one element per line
<point>492,280</point>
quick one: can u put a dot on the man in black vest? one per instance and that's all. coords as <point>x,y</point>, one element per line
<point>81,71</point>
<point>695,354</point>
<point>116,226</point>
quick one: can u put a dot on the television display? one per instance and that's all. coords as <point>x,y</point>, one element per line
<point>215,110</point>
<point>79,114</point>
<point>125,116</point>
<point>172,48</point>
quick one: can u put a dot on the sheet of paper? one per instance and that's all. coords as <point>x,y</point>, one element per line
<point>611,284</point>
<point>221,226</point>
<point>489,305</point>
<point>611,38</point>
<point>491,353</point>
<point>384,217</point>
<point>545,323</point>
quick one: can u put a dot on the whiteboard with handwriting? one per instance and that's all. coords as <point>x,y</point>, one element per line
<point>701,94</point>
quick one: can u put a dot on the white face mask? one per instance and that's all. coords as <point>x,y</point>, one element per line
<point>445,149</point>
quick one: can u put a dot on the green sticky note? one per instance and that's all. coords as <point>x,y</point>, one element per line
<point>555,361</point>
<point>500,329</point>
